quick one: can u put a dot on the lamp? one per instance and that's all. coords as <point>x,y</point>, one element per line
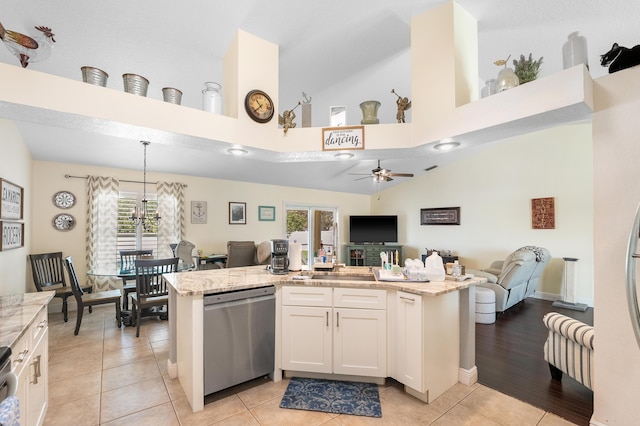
<point>141,216</point>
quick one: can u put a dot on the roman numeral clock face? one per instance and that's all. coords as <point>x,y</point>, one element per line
<point>259,106</point>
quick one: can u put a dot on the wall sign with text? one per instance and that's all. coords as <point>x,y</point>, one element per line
<point>12,235</point>
<point>342,138</point>
<point>11,201</point>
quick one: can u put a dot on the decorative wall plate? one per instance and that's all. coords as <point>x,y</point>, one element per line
<point>64,199</point>
<point>64,222</point>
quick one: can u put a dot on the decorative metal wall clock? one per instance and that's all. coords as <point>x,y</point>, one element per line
<point>64,222</point>
<point>64,199</point>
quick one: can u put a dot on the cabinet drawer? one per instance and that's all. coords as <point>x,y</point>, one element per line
<point>359,298</point>
<point>306,296</point>
<point>39,326</point>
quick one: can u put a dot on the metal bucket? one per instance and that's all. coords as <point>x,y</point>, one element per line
<point>94,76</point>
<point>172,95</point>
<point>135,84</point>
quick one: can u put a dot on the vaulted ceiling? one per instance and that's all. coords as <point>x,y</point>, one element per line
<point>181,44</point>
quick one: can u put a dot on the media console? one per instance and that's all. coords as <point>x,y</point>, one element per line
<point>369,254</point>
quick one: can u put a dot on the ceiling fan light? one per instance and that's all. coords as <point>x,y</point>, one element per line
<point>446,146</point>
<point>237,151</point>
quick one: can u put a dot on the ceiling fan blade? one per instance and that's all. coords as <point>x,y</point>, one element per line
<point>400,174</point>
<point>366,177</point>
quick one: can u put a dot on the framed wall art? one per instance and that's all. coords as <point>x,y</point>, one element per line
<point>11,201</point>
<point>237,213</point>
<point>12,235</point>
<point>543,213</point>
<point>199,212</point>
<point>440,216</point>
<point>343,137</point>
<point>266,213</point>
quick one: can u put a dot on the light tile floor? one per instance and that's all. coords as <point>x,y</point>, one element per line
<point>107,376</point>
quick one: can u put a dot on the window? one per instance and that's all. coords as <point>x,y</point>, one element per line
<point>130,236</point>
<point>312,227</point>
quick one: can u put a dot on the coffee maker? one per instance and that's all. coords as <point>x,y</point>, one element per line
<point>279,256</point>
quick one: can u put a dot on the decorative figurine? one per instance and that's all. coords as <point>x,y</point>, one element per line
<point>28,49</point>
<point>287,117</point>
<point>403,105</point>
<point>620,57</point>
<point>507,79</point>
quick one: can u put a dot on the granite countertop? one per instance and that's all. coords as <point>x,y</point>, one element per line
<point>220,280</point>
<point>17,313</point>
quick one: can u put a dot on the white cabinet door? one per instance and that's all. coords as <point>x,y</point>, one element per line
<point>360,342</point>
<point>306,338</point>
<point>409,340</point>
<point>38,378</point>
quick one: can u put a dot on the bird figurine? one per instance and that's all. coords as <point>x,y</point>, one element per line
<point>28,49</point>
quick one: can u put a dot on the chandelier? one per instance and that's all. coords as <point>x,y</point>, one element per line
<point>142,216</point>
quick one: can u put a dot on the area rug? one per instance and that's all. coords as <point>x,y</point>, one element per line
<point>331,396</point>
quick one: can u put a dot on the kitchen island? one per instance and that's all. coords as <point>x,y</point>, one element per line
<point>429,320</point>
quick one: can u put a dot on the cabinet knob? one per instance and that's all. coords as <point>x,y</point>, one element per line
<point>21,356</point>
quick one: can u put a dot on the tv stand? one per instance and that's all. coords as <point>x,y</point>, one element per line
<point>368,254</point>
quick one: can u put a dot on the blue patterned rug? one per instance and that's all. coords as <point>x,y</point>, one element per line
<point>330,396</point>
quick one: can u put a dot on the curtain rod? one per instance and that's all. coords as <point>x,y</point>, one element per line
<point>184,185</point>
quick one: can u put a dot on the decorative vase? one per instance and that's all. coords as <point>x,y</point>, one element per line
<point>489,88</point>
<point>135,84</point>
<point>507,79</point>
<point>94,76</point>
<point>212,97</point>
<point>574,51</point>
<point>172,95</point>
<point>369,112</point>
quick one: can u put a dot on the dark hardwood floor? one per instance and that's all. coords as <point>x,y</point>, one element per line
<point>510,360</point>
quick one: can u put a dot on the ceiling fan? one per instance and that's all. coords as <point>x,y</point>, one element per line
<point>382,175</point>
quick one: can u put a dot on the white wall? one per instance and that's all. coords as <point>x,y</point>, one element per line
<point>210,237</point>
<point>15,166</point>
<point>616,129</point>
<point>494,190</point>
<point>372,83</point>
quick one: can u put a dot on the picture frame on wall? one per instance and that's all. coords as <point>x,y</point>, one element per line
<point>237,213</point>
<point>11,201</point>
<point>440,216</point>
<point>12,235</point>
<point>543,213</point>
<point>199,212</point>
<point>266,213</point>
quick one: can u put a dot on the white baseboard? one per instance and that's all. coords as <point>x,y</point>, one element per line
<point>468,377</point>
<point>172,369</point>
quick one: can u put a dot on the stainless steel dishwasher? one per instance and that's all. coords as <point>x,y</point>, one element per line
<point>239,337</point>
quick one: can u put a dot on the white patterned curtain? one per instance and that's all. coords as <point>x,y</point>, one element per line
<point>102,228</point>
<point>171,209</point>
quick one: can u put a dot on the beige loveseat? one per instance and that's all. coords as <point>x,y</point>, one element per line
<point>516,277</point>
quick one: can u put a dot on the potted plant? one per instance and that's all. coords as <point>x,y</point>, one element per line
<point>526,69</point>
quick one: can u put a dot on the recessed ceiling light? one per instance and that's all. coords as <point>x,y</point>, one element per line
<point>344,155</point>
<point>237,151</point>
<point>446,146</point>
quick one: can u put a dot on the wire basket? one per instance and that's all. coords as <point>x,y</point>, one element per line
<point>94,76</point>
<point>135,84</point>
<point>172,95</point>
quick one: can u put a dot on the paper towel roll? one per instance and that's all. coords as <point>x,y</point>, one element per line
<point>295,256</point>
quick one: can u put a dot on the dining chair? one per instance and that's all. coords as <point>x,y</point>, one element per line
<point>184,251</point>
<point>48,274</point>
<point>152,292</point>
<point>128,263</point>
<point>90,299</point>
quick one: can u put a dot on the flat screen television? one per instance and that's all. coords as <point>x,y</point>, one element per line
<point>373,229</point>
